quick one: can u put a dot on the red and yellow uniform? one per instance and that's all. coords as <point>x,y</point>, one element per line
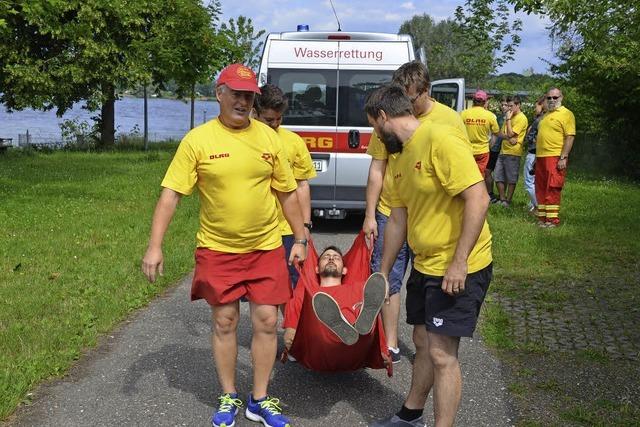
<point>553,128</point>
<point>235,172</point>
<point>437,164</point>
<point>440,114</point>
<point>480,124</point>
<point>519,124</point>
<point>300,161</point>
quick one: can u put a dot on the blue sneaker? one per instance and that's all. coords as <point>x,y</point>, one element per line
<point>267,411</point>
<point>225,415</point>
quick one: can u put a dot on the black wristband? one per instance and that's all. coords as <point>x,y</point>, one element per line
<point>309,225</point>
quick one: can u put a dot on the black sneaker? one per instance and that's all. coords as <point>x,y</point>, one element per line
<point>328,312</point>
<point>395,354</point>
<point>396,421</point>
<point>375,291</point>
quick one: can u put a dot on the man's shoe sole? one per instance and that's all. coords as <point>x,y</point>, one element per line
<point>375,291</point>
<point>328,312</point>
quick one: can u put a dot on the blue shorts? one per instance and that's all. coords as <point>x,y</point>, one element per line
<point>287,242</point>
<point>399,266</point>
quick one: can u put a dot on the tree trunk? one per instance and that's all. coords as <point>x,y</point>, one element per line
<point>107,116</point>
<point>146,120</point>
<point>193,103</point>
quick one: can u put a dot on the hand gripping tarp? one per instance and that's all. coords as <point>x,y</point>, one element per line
<point>315,346</point>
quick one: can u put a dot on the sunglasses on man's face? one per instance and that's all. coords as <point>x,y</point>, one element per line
<point>549,98</point>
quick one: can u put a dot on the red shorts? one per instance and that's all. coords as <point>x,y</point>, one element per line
<point>222,278</point>
<point>482,160</point>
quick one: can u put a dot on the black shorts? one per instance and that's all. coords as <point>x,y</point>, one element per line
<point>443,314</point>
<point>493,158</point>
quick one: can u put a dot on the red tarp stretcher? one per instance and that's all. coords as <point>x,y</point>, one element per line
<point>315,346</point>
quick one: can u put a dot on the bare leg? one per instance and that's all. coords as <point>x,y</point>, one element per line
<point>510,190</point>
<point>501,190</point>
<point>224,343</point>
<point>447,387</point>
<point>422,376</point>
<point>264,319</point>
<point>390,319</point>
<point>488,180</point>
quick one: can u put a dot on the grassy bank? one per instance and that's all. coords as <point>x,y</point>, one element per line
<point>565,306</point>
<point>75,225</point>
<point>74,229</point>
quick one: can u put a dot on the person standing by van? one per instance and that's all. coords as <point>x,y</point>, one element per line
<point>482,126</point>
<point>239,168</point>
<point>269,106</point>
<point>414,77</point>
<point>439,202</point>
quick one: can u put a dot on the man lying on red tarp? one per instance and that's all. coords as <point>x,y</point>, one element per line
<point>331,323</point>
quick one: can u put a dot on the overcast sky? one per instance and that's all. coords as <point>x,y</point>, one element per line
<point>381,16</point>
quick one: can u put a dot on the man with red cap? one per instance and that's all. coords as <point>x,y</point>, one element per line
<point>482,125</point>
<point>240,169</point>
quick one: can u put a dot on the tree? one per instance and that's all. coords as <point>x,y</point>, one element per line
<point>54,53</point>
<point>489,34</point>
<point>243,40</point>
<point>598,47</point>
<point>441,43</point>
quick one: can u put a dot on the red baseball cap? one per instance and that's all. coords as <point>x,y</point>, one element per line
<point>480,95</point>
<point>238,77</point>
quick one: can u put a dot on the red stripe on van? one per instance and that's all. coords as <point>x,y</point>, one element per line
<point>331,142</point>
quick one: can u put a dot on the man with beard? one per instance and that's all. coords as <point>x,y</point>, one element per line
<point>556,133</point>
<point>240,169</point>
<point>347,311</point>
<point>439,202</point>
<point>414,78</point>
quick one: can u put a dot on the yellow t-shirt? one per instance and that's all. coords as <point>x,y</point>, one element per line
<point>480,124</point>
<point>439,113</point>
<point>235,172</point>
<point>436,165</point>
<point>519,124</point>
<point>552,129</point>
<point>301,165</point>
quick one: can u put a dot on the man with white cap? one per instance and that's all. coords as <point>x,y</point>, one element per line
<point>482,125</point>
<point>239,167</point>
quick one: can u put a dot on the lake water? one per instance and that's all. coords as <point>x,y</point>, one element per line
<point>168,118</point>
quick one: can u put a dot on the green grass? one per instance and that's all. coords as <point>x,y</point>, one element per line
<point>593,256</point>
<point>74,229</point>
<point>75,226</point>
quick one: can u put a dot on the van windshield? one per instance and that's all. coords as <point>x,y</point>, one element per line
<point>312,95</point>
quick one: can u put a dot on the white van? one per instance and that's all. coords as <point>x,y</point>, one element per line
<point>326,77</point>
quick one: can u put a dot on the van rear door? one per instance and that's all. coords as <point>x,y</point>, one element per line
<point>363,67</point>
<point>449,92</point>
<point>307,72</point>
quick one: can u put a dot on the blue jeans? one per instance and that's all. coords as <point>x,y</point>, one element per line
<point>402,261</point>
<point>529,180</point>
<point>287,242</point>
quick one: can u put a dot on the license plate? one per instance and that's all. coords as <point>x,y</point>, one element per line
<point>317,164</point>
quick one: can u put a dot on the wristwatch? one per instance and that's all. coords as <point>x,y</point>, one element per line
<point>309,225</point>
<point>563,157</point>
<point>300,241</point>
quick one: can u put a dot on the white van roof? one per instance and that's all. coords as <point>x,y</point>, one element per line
<point>338,35</point>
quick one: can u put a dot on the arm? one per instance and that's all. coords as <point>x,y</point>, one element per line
<point>374,188</point>
<point>304,198</point>
<point>165,208</point>
<point>566,149</point>
<point>291,211</point>
<point>395,233</point>
<point>476,203</point>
